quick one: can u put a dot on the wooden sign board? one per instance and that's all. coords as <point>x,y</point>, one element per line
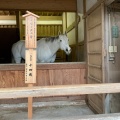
<point>30,66</point>
<point>30,30</point>
<point>30,45</point>
<point>30,54</point>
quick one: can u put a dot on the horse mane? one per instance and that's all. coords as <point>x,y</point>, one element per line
<point>51,39</point>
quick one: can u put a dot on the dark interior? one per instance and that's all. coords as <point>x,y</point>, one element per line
<point>8,36</point>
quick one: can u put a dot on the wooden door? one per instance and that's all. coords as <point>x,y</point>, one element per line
<point>95,56</point>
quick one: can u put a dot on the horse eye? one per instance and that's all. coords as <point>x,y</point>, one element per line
<point>60,40</point>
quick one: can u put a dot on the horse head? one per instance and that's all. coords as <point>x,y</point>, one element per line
<point>64,43</point>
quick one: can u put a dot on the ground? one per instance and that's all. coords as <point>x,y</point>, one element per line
<point>45,110</point>
<point>57,110</point>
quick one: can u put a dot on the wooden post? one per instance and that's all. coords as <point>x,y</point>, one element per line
<point>30,54</point>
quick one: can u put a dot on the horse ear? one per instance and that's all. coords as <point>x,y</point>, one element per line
<point>66,33</point>
<point>59,32</point>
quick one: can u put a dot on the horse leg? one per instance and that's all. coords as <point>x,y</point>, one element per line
<point>52,59</point>
<point>18,60</point>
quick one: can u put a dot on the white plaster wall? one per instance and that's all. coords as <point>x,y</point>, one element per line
<point>70,18</point>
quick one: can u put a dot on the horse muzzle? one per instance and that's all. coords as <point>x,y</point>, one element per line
<point>68,51</point>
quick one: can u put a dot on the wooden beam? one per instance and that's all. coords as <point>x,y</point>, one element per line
<point>19,23</point>
<point>42,18</point>
<point>65,65</point>
<point>74,24</point>
<point>98,3</point>
<point>41,5</point>
<point>65,90</point>
<point>5,17</point>
<point>108,2</point>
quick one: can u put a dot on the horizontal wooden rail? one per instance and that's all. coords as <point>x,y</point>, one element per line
<point>42,66</point>
<point>23,92</point>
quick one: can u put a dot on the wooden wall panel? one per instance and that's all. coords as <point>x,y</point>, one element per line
<point>95,72</point>
<point>96,14</point>
<point>96,102</point>
<point>58,77</point>
<point>47,75</point>
<point>43,78</point>
<point>7,79</point>
<point>94,34</point>
<point>95,59</point>
<point>83,76</point>
<point>19,79</point>
<point>95,45</point>
<point>42,5</point>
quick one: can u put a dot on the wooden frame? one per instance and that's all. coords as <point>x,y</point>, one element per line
<point>55,90</point>
<point>46,91</point>
<point>43,66</point>
<point>65,90</point>
<point>42,5</point>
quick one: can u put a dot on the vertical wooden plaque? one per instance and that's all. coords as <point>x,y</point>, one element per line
<point>30,45</point>
<point>30,54</point>
<point>30,35</point>
<point>30,66</point>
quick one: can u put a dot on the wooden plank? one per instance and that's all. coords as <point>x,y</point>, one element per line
<point>5,17</point>
<point>74,24</point>
<point>43,66</point>
<point>7,79</point>
<point>41,5</point>
<point>23,92</point>
<point>43,78</point>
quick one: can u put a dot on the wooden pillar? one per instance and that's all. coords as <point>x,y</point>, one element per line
<point>30,54</point>
<point>19,23</point>
<point>85,35</point>
<point>76,36</point>
<point>76,32</point>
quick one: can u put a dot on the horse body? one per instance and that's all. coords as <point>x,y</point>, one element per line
<point>46,48</point>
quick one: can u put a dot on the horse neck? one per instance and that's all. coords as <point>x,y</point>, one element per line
<point>54,46</point>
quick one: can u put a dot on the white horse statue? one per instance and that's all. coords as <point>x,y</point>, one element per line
<point>46,49</point>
